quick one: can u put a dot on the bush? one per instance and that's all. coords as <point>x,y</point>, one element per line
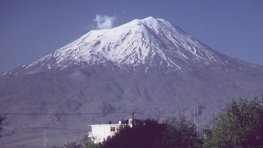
<point>239,125</point>
<point>143,134</point>
<point>151,134</point>
<point>181,134</point>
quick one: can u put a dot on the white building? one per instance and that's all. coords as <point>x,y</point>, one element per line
<point>100,132</point>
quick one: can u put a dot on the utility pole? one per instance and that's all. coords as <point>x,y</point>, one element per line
<point>196,117</point>
<point>133,119</point>
<point>45,137</point>
<point>198,120</point>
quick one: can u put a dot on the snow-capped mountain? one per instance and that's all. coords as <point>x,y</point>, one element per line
<point>148,41</point>
<point>148,66</point>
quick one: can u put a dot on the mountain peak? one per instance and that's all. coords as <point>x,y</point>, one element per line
<point>149,20</point>
<point>151,41</point>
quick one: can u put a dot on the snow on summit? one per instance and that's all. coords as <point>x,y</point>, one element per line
<point>149,40</point>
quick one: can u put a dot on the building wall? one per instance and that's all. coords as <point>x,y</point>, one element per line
<point>101,132</point>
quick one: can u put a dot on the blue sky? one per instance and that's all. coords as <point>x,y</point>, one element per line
<point>30,29</point>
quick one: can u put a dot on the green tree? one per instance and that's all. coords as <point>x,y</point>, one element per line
<point>239,125</point>
<point>180,134</point>
<point>143,134</point>
<point>151,134</point>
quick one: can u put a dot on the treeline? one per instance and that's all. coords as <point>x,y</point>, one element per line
<point>240,124</point>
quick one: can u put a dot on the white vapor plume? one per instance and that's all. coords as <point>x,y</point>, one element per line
<point>104,21</point>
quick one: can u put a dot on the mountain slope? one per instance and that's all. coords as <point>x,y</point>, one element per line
<point>148,66</point>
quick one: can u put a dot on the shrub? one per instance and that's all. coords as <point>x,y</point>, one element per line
<point>151,134</point>
<point>239,125</point>
<point>143,134</point>
<point>181,134</point>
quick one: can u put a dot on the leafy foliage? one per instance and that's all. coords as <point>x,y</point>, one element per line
<point>180,133</point>
<point>151,134</point>
<point>239,125</point>
<point>142,134</point>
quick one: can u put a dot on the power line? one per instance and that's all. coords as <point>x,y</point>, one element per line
<point>49,127</point>
<point>80,114</point>
<point>72,114</point>
<point>58,114</point>
<point>45,138</point>
<point>154,115</point>
<point>44,129</point>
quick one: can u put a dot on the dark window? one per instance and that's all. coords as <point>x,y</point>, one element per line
<point>112,129</point>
